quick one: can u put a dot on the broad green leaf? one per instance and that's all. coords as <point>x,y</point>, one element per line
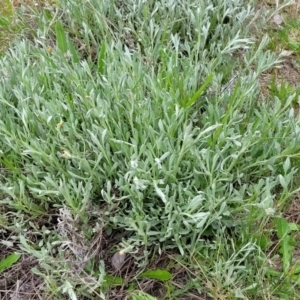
<point>287,246</point>
<point>156,274</point>
<point>61,39</point>
<point>9,261</point>
<point>282,227</point>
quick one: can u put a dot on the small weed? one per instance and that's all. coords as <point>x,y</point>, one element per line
<point>285,278</point>
<point>287,37</point>
<point>283,90</point>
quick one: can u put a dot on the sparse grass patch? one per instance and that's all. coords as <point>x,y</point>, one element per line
<point>17,20</point>
<point>283,40</point>
<point>6,15</point>
<point>135,149</point>
<point>286,37</point>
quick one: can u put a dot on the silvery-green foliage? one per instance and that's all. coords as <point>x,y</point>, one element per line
<point>121,137</point>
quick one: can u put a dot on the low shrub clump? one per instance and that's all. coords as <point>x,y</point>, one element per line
<point>137,127</point>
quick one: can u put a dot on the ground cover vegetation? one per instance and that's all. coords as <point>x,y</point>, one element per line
<point>149,150</point>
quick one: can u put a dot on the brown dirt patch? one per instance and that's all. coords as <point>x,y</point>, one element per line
<point>289,70</point>
<point>287,73</point>
<point>18,282</point>
<point>292,213</point>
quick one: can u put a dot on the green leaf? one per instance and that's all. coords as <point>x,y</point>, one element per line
<point>282,227</point>
<point>273,272</point>
<point>9,261</point>
<point>238,294</point>
<point>6,13</point>
<point>73,51</point>
<point>287,245</point>
<point>233,100</point>
<point>101,56</point>
<point>138,295</point>
<point>193,99</point>
<point>61,39</point>
<point>112,281</point>
<point>7,163</point>
<point>156,274</point>
<point>293,227</point>
<point>282,181</point>
<point>296,269</point>
<point>287,165</point>
<point>263,241</point>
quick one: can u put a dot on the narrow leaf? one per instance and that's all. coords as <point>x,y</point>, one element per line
<point>287,165</point>
<point>111,280</point>
<point>61,39</point>
<point>156,274</point>
<point>273,272</point>
<point>192,100</point>
<point>73,51</point>
<point>101,57</point>
<point>138,295</point>
<point>263,241</point>
<point>160,193</point>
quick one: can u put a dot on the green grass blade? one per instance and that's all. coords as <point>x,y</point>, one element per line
<point>101,56</point>
<point>61,38</point>
<point>226,115</point>
<point>73,51</point>
<point>111,280</point>
<point>9,261</point>
<point>193,99</point>
<point>158,274</point>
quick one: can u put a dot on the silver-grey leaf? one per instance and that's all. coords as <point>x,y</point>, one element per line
<point>118,260</point>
